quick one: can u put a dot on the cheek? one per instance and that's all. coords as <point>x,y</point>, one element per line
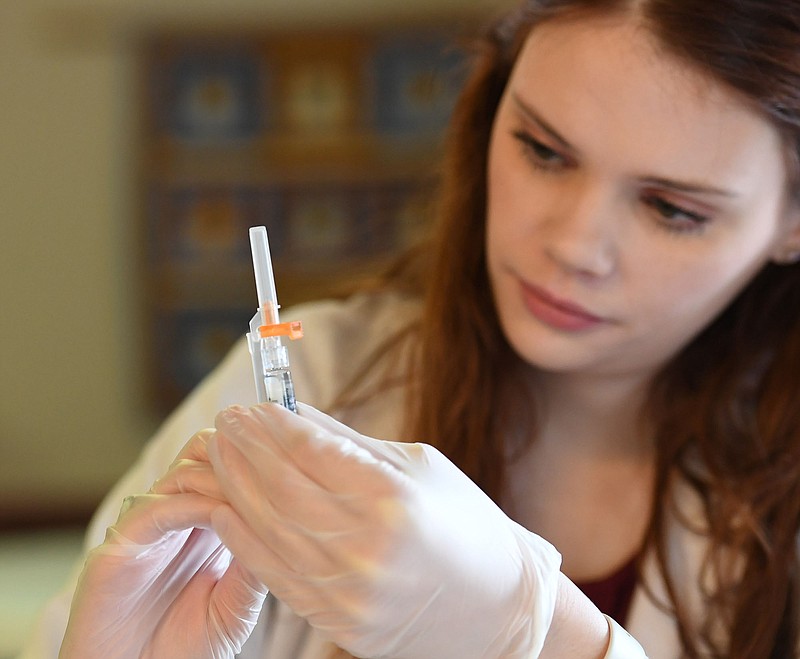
<point>506,243</point>
<point>689,292</point>
<point>510,199</point>
<point>498,211</point>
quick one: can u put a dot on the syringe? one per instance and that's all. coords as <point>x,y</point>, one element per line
<point>269,356</point>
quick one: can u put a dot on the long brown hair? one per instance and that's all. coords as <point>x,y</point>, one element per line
<point>726,409</point>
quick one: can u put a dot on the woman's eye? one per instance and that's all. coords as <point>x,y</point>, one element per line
<point>541,155</point>
<point>676,218</point>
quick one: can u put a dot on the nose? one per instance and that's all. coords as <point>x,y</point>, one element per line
<point>581,232</point>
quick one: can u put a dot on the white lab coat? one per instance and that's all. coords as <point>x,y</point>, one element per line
<point>338,337</point>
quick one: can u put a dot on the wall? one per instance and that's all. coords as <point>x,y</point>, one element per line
<point>72,412</point>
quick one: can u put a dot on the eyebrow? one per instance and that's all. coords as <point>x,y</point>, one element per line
<point>687,186</point>
<point>678,186</point>
<point>534,116</point>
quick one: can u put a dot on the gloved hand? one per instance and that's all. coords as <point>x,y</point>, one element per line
<point>161,584</point>
<point>386,548</point>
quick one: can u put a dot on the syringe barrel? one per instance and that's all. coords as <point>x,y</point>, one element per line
<point>273,380</point>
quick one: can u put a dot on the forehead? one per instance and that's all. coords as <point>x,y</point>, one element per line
<point>605,83</point>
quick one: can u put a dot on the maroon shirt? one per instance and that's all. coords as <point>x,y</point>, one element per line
<point>613,594</point>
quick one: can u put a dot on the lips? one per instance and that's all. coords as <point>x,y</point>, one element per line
<point>557,313</point>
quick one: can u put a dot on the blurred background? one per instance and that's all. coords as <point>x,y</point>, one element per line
<point>138,141</point>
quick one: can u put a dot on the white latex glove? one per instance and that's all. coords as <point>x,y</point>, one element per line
<point>161,584</point>
<point>386,548</point>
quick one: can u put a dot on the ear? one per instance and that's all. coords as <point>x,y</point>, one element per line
<point>787,249</point>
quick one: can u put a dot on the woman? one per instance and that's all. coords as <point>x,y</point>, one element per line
<point>607,346</point>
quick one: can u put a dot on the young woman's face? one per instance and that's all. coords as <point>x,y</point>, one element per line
<point>629,200</point>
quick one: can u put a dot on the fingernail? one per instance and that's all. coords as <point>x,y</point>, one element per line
<point>230,415</point>
<point>234,410</point>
